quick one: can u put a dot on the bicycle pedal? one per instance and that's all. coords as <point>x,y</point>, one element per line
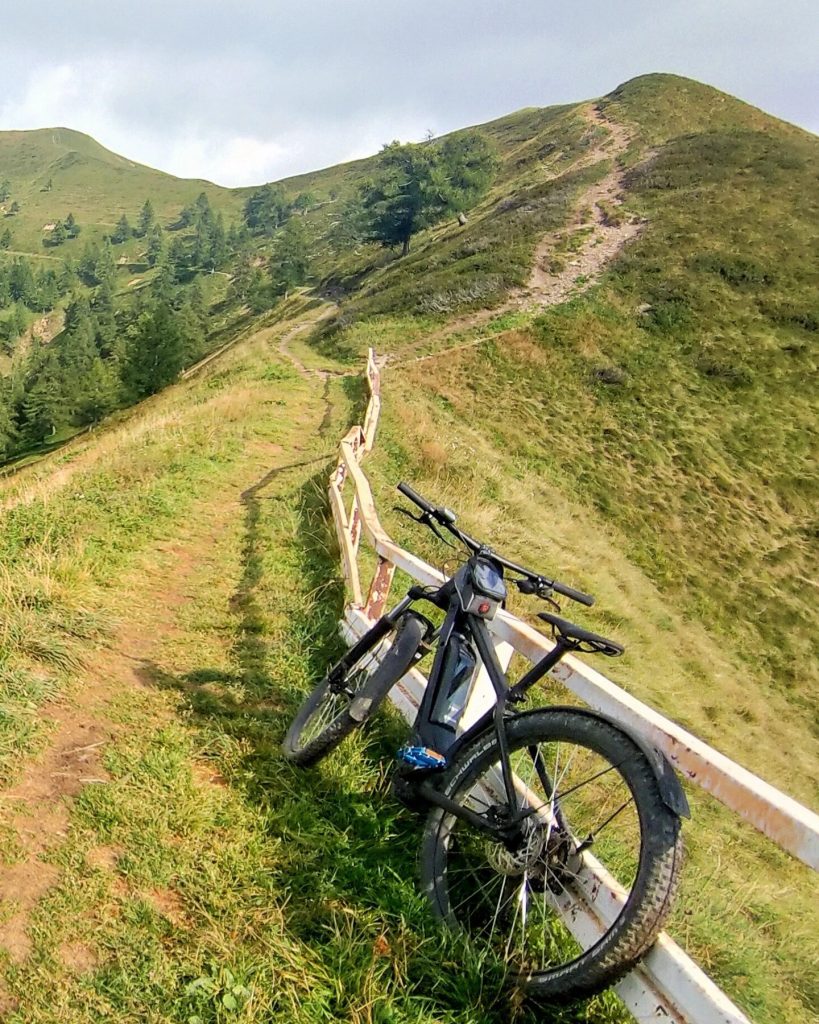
<point>421,757</point>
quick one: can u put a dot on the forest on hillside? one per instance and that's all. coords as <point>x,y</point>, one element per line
<point>118,341</point>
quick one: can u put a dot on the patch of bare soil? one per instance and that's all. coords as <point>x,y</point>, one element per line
<point>78,958</point>
<point>169,905</point>
<point>38,810</point>
<point>104,858</point>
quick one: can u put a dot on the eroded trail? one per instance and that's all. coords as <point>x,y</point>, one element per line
<point>600,231</point>
<point>607,230</point>
<point>66,849</point>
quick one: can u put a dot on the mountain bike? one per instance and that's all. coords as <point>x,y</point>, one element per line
<point>552,835</point>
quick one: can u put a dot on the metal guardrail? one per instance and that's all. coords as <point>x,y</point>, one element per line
<point>668,986</point>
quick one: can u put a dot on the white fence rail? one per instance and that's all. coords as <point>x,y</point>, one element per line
<point>668,986</point>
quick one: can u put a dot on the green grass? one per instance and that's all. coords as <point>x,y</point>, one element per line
<point>733,878</point>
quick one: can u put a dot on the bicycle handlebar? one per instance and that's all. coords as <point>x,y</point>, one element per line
<point>532,583</point>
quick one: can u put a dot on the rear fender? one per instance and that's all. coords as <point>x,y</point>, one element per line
<point>671,791</point>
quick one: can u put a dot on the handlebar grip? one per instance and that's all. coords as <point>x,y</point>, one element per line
<point>575,595</point>
<point>414,496</point>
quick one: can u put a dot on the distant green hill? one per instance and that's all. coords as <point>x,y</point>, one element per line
<point>91,182</point>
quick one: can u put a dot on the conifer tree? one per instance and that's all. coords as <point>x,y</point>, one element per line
<point>106,335</point>
<point>43,409</point>
<point>8,432</point>
<point>57,235</point>
<point>290,262</point>
<point>87,266</point>
<point>21,282</point>
<point>417,184</point>
<point>156,245</point>
<point>122,232</point>
<point>105,267</point>
<point>100,392</point>
<point>48,290</point>
<point>156,353</point>
<point>146,219</point>
<point>266,209</point>
<point>67,276</point>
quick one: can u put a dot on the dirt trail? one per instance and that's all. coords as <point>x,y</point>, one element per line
<point>37,808</point>
<point>606,238</point>
<point>607,234</point>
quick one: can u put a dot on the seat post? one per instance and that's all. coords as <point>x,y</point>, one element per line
<point>539,669</point>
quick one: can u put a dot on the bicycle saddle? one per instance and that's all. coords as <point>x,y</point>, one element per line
<point>571,631</point>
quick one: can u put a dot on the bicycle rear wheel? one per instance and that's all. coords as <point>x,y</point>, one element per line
<point>598,845</point>
<point>353,688</point>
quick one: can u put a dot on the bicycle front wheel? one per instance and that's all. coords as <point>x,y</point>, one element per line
<point>573,895</point>
<point>353,688</point>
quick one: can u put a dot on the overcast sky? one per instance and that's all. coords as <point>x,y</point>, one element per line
<point>253,90</point>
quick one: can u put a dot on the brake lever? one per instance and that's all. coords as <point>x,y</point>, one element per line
<point>406,512</point>
<point>533,589</point>
<point>550,600</point>
<point>425,519</point>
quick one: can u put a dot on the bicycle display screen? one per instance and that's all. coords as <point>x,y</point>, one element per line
<point>481,589</point>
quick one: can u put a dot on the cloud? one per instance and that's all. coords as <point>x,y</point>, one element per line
<point>252,91</point>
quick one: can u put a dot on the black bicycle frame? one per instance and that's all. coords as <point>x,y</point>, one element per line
<point>428,732</point>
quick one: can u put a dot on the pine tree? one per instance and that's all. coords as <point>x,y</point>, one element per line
<point>156,245</point>
<point>146,219</point>
<point>191,333</point>
<point>87,266</point>
<point>100,392</point>
<point>67,276</point>
<point>122,232</point>
<point>57,235</point>
<point>77,352</point>
<point>156,354</point>
<point>5,239</point>
<point>105,267</point>
<point>5,190</point>
<point>8,433</point>
<point>290,262</point>
<point>71,226</point>
<point>417,184</point>
<point>177,259</point>
<point>106,335</point>
<point>77,313</point>
<point>43,409</point>
<point>303,202</point>
<point>48,290</point>
<point>266,209</point>
<point>21,283</point>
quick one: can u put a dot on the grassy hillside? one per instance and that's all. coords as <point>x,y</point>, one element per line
<point>641,425</point>
<point>91,182</point>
